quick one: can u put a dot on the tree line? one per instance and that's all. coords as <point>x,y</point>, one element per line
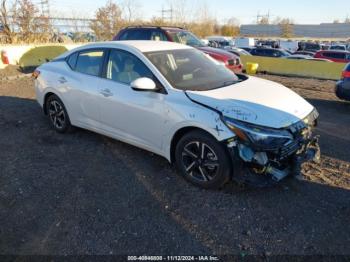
<point>22,22</point>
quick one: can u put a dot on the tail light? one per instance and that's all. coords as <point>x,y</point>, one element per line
<point>345,74</point>
<point>36,74</point>
<point>4,58</point>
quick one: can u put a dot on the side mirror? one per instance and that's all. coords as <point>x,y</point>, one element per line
<point>143,84</point>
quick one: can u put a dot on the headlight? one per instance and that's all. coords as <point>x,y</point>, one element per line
<point>261,137</point>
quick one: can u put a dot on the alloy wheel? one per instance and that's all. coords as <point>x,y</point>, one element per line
<point>57,115</point>
<point>200,161</point>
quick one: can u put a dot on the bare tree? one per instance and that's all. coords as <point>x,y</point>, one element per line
<point>26,14</point>
<point>204,24</point>
<point>108,21</point>
<point>180,11</point>
<point>6,23</point>
<point>31,25</point>
<point>130,10</point>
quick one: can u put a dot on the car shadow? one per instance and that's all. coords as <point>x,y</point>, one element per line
<point>83,193</point>
<point>334,127</point>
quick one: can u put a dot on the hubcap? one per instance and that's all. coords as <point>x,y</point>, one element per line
<point>200,161</point>
<point>56,114</point>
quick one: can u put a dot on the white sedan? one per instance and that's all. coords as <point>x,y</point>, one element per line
<point>177,102</point>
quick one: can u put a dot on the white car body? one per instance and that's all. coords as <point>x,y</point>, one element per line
<point>150,120</point>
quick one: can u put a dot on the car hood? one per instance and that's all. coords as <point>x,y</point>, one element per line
<point>216,51</point>
<point>256,101</point>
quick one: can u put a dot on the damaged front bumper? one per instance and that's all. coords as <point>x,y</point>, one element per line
<point>262,168</point>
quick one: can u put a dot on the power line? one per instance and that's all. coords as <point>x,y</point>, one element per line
<point>168,14</point>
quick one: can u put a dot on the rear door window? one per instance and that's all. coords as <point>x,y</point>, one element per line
<point>90,62</point>
<point>157,35</point>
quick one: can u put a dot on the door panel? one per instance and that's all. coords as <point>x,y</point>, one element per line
<point>133,115</point>
<point>83,82</point>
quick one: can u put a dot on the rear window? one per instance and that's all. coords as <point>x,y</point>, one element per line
<point>90,62</point>
<point>310,46</point>
<point>138,34</point>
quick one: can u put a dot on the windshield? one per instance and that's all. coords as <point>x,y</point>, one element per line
<point>191,69</point>
<point>186,38</point>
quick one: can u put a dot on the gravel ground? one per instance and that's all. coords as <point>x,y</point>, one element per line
<point>83,193</point>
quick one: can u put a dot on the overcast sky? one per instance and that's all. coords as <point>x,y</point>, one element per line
<point>305,11</point>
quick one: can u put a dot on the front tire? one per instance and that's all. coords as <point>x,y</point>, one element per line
<point>57,114</point>
<point>202,160</point>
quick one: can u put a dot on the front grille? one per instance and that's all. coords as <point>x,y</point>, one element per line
<point>290,149</point>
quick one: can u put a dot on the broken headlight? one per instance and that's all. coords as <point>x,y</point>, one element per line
<point>258,136</point>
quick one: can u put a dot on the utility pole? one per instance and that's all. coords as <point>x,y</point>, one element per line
<point>168,14</point>
<point>45,8</point>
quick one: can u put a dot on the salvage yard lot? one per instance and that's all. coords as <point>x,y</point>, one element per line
<point>84,193</point>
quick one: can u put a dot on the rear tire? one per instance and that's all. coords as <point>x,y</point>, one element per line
<point>202,160</point>
<point>57,114</point>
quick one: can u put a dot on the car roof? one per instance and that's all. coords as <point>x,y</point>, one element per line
<point>142,46</point>
<point>154,26</point>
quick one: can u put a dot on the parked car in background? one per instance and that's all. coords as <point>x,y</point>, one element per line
<point>320,60</point>
<point>308,58</point>
<point>298,57</point>
<point>269,52</point>
<point>338,47</point>
<point>223,44</point>
<point>223,40</point>
<point>309,53</point>
<point>205,41</point>
<point>182,36</point>
<point>238,51</point>
<point>179,103</point>
<point>267,43</point>
<point>308,46</point>
<point>248,49</point>
<point>335,56</point>
<point>342,89</point>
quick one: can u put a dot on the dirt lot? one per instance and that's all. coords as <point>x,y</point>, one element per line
<point>83,193</point>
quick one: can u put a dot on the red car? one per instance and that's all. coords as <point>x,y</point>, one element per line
<point>179,35</point>
<point>334,55</point>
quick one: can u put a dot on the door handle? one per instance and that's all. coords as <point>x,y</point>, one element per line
<point>62,80</point>
<point>106,92</point>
